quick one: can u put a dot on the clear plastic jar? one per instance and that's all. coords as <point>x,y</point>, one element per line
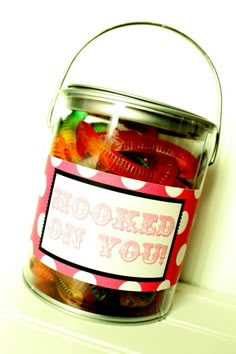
<point>122,183</point>
<point>110,244</point>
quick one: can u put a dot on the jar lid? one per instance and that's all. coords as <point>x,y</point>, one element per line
<point>105,103</point>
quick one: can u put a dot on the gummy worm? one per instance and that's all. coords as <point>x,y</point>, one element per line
<point>165,171</point>
<point>41,270</point>
<point>101,294</point>
<point>68,295</point>
<point>111,160</point>
<point>73,291</point>
<point>136,299</point>
<point>88,141</point>
<point>58,147</point>
<point>67,131</point>
<point>132,141</point>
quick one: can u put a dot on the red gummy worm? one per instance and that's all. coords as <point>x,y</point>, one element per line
<point>165,171</point>
<point>129,140</point>
<point>88,141</point>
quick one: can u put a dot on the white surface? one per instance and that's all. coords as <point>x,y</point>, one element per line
<point>38,40</point>
<point>199,322</point>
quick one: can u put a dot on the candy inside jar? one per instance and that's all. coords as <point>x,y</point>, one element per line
<point>118,305</point>
<point>122,175</point>
<point>154,143</point>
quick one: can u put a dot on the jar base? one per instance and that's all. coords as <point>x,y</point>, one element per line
<point>48,293</point>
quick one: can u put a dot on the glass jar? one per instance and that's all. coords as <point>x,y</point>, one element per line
<point>122,183</point>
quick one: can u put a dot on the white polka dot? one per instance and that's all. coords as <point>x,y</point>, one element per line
<point>164,285</point>
<point>130,286</point>
<point>133,184</point>
<point>48,261</point>
<point>43,185</point>
<point>55,161</point>
<point>197,193</point>
<point>86,277</point>
<point>181,254</point>
<point>173,191</point>
<point>183,222</point>
<point>40,223</point>
<point>86,172</point>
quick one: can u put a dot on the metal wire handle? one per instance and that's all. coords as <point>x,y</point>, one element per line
<point>202,52</point>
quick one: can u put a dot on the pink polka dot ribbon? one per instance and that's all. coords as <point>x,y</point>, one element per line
<point>109,230</point>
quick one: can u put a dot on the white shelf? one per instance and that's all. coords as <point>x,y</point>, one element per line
<point>200,322</point>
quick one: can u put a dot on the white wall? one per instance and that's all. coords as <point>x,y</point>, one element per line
<point>38,40</point>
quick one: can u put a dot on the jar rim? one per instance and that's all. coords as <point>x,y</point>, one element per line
<point>99,100</point>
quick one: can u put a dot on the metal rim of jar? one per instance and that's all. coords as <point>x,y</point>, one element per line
<point>97,100</point>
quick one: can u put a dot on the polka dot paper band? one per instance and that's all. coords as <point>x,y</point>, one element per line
<point>109,230</point>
